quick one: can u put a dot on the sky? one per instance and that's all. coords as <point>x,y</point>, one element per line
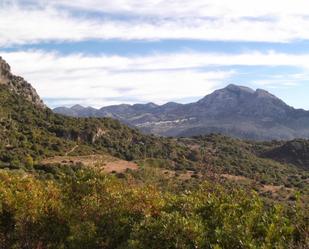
<point>102,52</point>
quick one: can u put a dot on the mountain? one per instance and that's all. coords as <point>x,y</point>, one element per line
<point>235,110</point>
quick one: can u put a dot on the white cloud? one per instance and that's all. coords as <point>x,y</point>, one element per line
<point>105,80</point>
<point>102,80</point>
<point>200,8</point>
<point>227,20</point>
<point>283,81</point>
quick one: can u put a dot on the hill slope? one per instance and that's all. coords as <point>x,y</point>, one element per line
<point>235,111</point>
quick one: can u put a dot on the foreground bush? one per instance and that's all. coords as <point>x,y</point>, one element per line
<point>93,211</point>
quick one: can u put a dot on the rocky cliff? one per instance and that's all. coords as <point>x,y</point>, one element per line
<point>18,85</point>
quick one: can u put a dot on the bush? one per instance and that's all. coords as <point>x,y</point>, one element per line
<point>97,211</point>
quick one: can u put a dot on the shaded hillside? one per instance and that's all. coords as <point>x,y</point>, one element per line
<point>234,111</point>
<point>245,158</point>
<point>294,152</point>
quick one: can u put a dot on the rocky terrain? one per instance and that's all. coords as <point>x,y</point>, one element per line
<point>18,85</point>
<point>235,110</point>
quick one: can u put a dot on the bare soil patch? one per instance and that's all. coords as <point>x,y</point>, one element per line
<point>119,166</point>
<point>107,163</point>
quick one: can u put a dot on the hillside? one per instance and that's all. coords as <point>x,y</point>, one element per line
<point>68,182</point>
<point>294,152</point>
<point>26,130</point>
<point>234,111</point>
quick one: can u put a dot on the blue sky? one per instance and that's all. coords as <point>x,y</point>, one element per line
<point>100,52</point>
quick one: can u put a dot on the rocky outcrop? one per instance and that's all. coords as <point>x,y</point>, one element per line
<point>18,85</point>
<point>82,135</point>
<point>5,72</point>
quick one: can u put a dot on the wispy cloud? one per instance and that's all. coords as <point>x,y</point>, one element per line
<point>283,80</point>
<point>182,8</point>
<point>102,80</point>
<point>154,20</point>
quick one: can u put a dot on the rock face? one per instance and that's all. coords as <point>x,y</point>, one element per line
<point>235,110</point>
<point>5,72</point>
<point>18,85</point>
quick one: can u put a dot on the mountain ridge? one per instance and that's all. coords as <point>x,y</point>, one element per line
<point>237,111</point>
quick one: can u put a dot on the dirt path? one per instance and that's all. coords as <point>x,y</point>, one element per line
<point>72,150</point>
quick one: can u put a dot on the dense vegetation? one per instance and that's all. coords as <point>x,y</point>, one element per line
<point>245,158</point>
<point>93,210</point>
<point>294,152</point>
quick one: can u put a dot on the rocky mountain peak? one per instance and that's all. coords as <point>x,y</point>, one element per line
<point>236,88</point>
<point>228,97</point>
<point>151,105</point>
<point>77,107</point>
<point>18,85</point>
<point>236,95</point>
<point>264,94</point>
<point>244,102</point>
